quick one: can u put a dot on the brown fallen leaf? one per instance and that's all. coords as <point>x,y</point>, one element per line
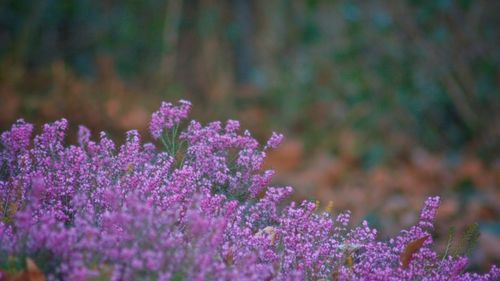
<point>335,274</point>
<point>349,261</point>
<point>268,231</point>
<point>34,273</point>
<point>411,249</point>
<point>229,258</point>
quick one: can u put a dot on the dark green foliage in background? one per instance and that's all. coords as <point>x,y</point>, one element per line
<point>40,32</point>
<point>426,70</point>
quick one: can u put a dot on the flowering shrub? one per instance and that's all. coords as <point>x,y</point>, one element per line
<point>198,209</point>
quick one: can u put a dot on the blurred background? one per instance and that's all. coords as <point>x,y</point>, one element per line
<point>383,102</point>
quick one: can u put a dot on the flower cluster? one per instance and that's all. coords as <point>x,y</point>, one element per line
<point>168,116</point>
<point>198,208</point>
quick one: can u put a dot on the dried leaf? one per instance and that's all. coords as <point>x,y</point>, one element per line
<point>329,207</point>
<point>229,258</point>
<point>34,273</point>
<point>269,232</point>
<point>349,261</point>
<point>130,168</point>
<point>411,249</point>
<point>335,275</point>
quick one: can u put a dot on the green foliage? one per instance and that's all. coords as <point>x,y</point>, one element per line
<point>451,237</point>
<point>469,240</point>
<point>424,69</point>
<point>11,264</point>
<point>466,245</point>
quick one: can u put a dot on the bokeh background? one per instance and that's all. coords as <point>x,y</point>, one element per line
<point>383,102</point>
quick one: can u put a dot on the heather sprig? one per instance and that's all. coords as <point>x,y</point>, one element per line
<point>196,207</point>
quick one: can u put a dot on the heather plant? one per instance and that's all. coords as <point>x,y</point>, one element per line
<point>195,206</point>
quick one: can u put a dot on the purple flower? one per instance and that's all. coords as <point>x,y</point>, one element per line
<point>168,116</point>
<point>98,211</point>
<point>274,141</point>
